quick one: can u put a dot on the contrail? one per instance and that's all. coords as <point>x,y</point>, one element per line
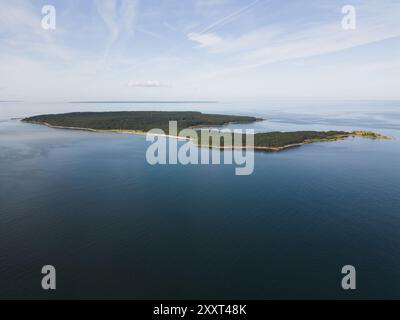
<point>218,23</point>
<point>230,17</point>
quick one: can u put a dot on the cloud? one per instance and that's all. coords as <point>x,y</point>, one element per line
<point>21,19</point>
<point>205,40</point>
<point>15,14</point>
<point>278,42</point>
<point>231,47</point>
<point>231,17</point>
<point>146,84</point>
<point>208,39</point>
<point>119,16</point>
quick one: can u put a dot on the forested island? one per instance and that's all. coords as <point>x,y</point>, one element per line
<point>140,122</point>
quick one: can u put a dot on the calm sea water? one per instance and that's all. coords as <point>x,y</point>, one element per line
<point>116,227</point>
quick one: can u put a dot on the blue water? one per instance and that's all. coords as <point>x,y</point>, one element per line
<point>116,227</point>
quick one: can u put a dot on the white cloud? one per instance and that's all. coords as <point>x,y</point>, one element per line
<point>128,11</point>
<point>277,43</point>
<point>146,84</point>
<point>237,46</point>
<point>247,42</point>
<point>205,40</point>
<point>230,18</point>
<point>119,16</point>
<point>107,10</point>
<point>18,14</point>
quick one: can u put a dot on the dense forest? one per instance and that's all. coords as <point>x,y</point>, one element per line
<point>136,120</point>
<point>271,140</point>
<point>278,139</point>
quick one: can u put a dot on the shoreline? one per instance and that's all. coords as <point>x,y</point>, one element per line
<point>354,134</point>
<point>142,133</point>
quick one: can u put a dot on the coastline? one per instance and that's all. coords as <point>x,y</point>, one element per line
<point>136,132</point>
<point>359,134</point>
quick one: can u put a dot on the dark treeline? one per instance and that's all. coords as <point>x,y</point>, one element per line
<point>137,120</point>
<point>278,139</point>
<point>269,139</point>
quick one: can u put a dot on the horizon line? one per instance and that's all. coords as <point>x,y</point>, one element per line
<point>143,101</point>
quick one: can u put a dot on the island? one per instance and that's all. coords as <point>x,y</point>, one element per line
<point>141,122</point>
<point>138,121</point>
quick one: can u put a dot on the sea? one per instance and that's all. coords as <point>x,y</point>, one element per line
<point>115,227</point>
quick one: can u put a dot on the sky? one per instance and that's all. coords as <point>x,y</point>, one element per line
<point>199,50</point>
